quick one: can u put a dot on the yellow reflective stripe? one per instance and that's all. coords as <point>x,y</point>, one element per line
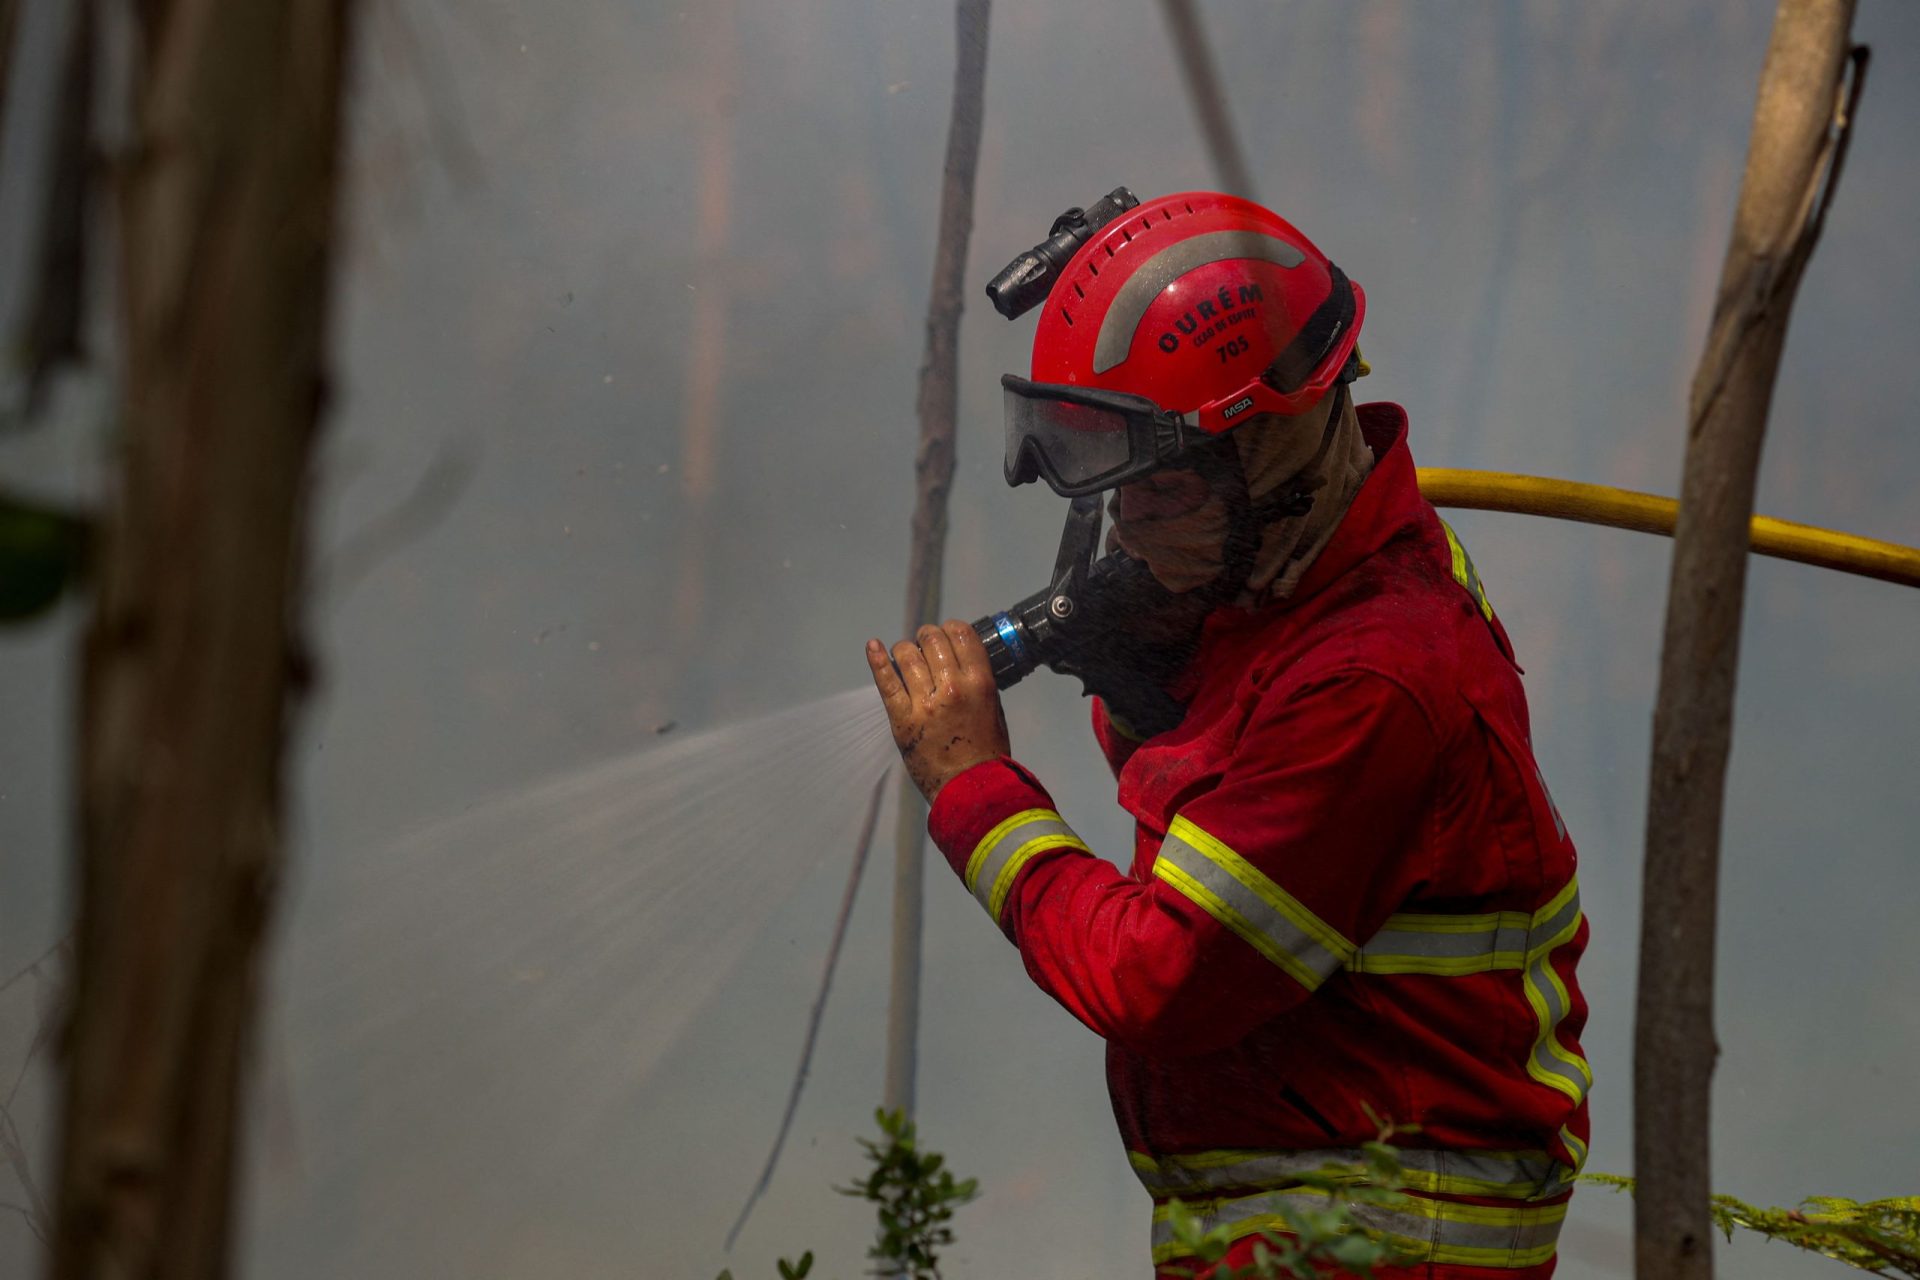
<point>1438,945</point>
<point>1538,962</point>
<point>993,837</point>
<point>996,862</point>
<point>1003,883</point>
<point>1237,894</point>
<point>1211,903</point>
<point>1464,573</point>
<point>1122,728</point>
<point>1576,1148</point>
<point>1553,908</point>
<point>1548,1061</point>
<point>1554,1046</point>
<point>1510,1175</point>
<point>1296,911</point>
<point>1427,1230</point>
<point>1453,945</point>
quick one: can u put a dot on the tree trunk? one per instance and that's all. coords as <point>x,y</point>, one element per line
<point>193,661</point>
<point>933,479</point>
<point>1793,160</point>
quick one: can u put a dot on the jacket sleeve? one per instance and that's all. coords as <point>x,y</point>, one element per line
<point>1263,888</point>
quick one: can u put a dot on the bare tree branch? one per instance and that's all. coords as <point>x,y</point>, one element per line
<point>938,405</point>
<point>1209,103</point>
<point>432,498</point>
<point>1800,127</point>
<point>33,1223</point>
<point>15,1151</point>
<point>33,966</point>
<point>452,140</point>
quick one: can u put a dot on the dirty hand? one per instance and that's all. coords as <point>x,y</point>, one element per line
<point>943,704</point>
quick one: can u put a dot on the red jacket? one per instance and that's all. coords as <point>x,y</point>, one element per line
<point>1349,890</point>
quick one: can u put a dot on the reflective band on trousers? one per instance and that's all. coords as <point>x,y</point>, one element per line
<point>996,861</point>
<point>1240,896</point>
<point>1426,1230</point>
<point>1506,1175</point>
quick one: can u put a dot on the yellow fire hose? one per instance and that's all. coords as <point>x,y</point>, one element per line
<point>1626,509</point>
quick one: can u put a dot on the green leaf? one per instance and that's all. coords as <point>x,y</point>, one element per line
<point>43,552</point>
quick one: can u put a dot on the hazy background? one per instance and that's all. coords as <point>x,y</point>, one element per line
<point>550,204</point>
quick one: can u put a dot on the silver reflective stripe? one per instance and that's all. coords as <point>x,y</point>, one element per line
<point>1501,943</point>
<point>1163,268</point>
<point>1513,1175</point>
<point>1238,895</point>
<point>997,859</point>
<point>1550,1063</point>
<point>1428,1230</point>
<point>1575,1148</point>
<point>1449,946</point>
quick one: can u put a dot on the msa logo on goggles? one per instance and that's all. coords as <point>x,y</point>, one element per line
<point>1235,409</point>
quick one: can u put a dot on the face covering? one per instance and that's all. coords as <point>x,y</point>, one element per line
<point>1178,521</point>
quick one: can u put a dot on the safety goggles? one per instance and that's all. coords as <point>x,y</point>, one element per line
<point>1082,440</point>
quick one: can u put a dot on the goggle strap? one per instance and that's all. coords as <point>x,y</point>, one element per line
<point>1292,368</point>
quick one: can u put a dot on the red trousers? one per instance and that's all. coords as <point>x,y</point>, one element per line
<point>1241,1255</point>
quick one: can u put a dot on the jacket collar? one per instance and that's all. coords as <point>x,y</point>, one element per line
<point>1388,503</point>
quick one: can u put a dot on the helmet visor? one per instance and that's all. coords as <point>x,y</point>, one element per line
<point>1080,440</point>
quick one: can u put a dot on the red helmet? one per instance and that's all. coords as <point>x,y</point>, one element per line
<point>1173,323</point>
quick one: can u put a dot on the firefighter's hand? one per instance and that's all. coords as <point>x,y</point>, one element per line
<point>943,704</point>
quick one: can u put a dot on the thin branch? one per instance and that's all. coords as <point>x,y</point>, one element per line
<point>44,1025</point>
<point>432,498</point>
<point>938,407</point>
<point>26,1063</point>
<point>440,100</point>
<point>861,848</point>
<point>33,965</point>
<point>15,1151</point>
<point>33,1223</point>
<point>1209,103</point>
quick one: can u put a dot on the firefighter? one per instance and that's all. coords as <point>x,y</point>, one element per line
<point>1350,898</point>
